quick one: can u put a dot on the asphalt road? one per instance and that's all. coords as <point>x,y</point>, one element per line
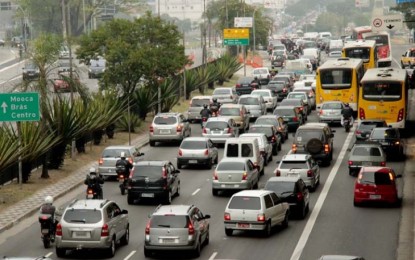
<point>333,225</point>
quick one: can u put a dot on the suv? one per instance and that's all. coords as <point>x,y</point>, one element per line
<point>255,210</point>
<point>111,154</point>
<point>169,127</point>
<point>365,154</point>
<point>390,140</point>
<point>96,68</point>
<point>153,180</point>
<point>225,95</point>
<point>365,127</point>
<point>196,105</point>
<point>94,224</point>
<point>176,227</point>
<point>243,86</point>
<point>238,113</point>
<point>30,71</point>
<point>315,139</point>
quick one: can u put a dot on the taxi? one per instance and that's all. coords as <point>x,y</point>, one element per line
<point>408,58</point>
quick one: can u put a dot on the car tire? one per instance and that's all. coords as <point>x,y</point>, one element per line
<point>215,192</point>
<point>217,160</point>
<point>228,232</point>
<point>282,138</point>
<point>268,230</point>
<point>209,164</point>
<point>111,249</point>
<point>60,252</point>
<point>270,158</point>
<point>167,199</point>
<point>356,204</point>
<point>206,242</point>
<point>126,238</point>
<point>197,250</point>
<point>147,252</point>
<point>130,200</point>
<point>255,186</point>
<point>179,166</point>
<point>274,150</point>
<point>351,172</point>
<point>302,212</point>
<point>284,223</point>
<point>279,146</point>
<point>152,143</point>
<point>265,160</point>
<point>177,194</point>
<point>262,172</point>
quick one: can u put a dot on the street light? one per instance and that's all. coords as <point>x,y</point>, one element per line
<point>253,27</point>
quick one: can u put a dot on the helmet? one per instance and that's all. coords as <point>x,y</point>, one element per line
<point>214,100</point>
<point>346,104</point>
<point>122,155</point>
<point>256,78</point>
<point>49,199</point>
<point>92,171</point>
<point>205,106</point>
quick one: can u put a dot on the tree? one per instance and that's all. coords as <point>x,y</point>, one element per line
<point>408,10</point>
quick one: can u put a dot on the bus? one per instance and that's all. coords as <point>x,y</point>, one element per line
<point>384,95</point>
<point>362,49</point>
<point>338,80</point>
<point>357,32</point>
<point>383,44</point>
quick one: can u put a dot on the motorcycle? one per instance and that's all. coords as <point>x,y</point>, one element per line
<point>47,229</point>
<point>204,120</point>
<point>123,183</point>
<point>91,193</point>
<point>214,109</point>
<point>347,124</point>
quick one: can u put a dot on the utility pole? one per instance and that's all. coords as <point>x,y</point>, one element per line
<point>63,19</point>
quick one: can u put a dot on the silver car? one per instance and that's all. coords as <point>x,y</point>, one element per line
<point>225,95</point>
<point>254,104</point>
<point>111,154</point>
<point>269,96</point>
<point>196,105</point>
<point>365,154</point>
<point>265,147</point>
<point>92,224</point>
<point>303,96</point>
<point>218,129</point>
<point>331,112</point>
<point>196,151</point>
<point>235,174</point>
<point>169,127</point>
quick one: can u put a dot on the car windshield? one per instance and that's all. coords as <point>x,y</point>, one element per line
<point>231,166</point>
<point>383,133</point>
<point>97,63</point>
<point>266,121</point>
<point>291,102</point>
<point>199,102</point>
<point>249,101</point>
<point>245,202</point>
<point>284,111</point>
<point>378,178</point>
<point>331,106</point>
<point>150,171</point>
<point>193,145</point>
<point>261,93</point>
<point>305,136</point>
<point>110,153</point>
<point>216,125</point>
<point>287,164</point>
<point>30,66</point>
<point>169,221</point>
<point>165,120</point>
<point>227,111</point>
<point>280,187</point>
<point>221,92</point>
<point>85,216</point>
<point>366,151</point>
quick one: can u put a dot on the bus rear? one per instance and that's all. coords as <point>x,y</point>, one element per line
<point>365,50</point>
<point>383,44</point>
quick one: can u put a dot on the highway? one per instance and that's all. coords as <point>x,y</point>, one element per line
<point>333,226</point>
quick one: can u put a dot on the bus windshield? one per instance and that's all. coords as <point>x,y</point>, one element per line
<point>385,91</point>
<point>358,53</point>
<point>336,78</point>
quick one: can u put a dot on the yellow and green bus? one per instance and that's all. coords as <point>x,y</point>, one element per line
<point>362,49</point>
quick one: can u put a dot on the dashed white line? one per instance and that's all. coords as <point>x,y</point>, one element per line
<point>195,192</point>
<point>213,256</point>
<point>130,255</point>
<point>49,254</point>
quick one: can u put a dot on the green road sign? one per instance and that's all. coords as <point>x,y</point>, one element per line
<point>236,41</point>
<point>19,106</point>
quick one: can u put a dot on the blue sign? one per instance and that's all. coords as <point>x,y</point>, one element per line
<point>404,1</point>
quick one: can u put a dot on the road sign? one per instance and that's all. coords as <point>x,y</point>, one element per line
<point>236,41</point>
<point>389,22</point>
<point>19,106</point>
<point>243,22</point>
<point>236,36</point>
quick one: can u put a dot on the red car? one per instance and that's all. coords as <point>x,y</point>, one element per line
<point>376,184</point>
<point>62,85</point>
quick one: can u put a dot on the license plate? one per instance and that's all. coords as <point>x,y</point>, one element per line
<point>90,196</point>
<point>223,185</point>
<point>79,234</point>
<point>164,131</point>
<point>109,170</point>
<point>45,231</point>
<point>192,161</point>
<point>147,195</point>
<point>243,225</point>
<point>366,163</point>
<point>384,143</point>
<point>168,240</point>
<point>216,132</point>
<point>293,173</point>
<point>375,197</point>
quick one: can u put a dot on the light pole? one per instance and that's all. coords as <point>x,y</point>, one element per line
<point>253,28</point>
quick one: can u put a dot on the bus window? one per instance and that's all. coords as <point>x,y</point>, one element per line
<point>382,91</point>
<point>358,53</point>
<point>336,79</point>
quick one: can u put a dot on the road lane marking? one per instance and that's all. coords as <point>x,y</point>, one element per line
<point>213,256</point>
<point>49,254</point>
<point>399,65</point>
<point>195,192</point>
<point>11,66</point>
<point>316,210</point>
<point>130,255</point>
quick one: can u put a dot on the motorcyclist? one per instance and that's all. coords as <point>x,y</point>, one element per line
<point>205,113</point>
<point>47,208</point>
<point>214,107</point>
<point>123,167</point>
<point>347,113</point>
<point>95,181</point>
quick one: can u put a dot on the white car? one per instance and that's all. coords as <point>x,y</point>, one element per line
<point>262,74</point>
<point>265,147</point>
<point>307,62</point>
<point>269,96</point>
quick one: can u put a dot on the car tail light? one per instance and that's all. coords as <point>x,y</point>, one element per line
<point>204,130</point>
<point>301,108</point>
<point>229,130</point>
<point>310,173</point>
<point>151,129</point>
<point>58,230</point>
<point>400,114</point>
<point>131,173</point>
<point>321,112</point>
<point>284,90</point>
<point>238,85</point>
<point>215,175</point>
<point>295,119</point>
<point>358,132</point>
<point>273,139</point>
<point>147,231</point>
<point>397,143</point>
<point>179,128</point>
<point>294,148</point>
<point>91,191</point>
<point>206,152</point>
<point>244,176</point>
<point>241,113</point>
<point>278,173</point>
<point>104,230</point>
<point>326,148</point>
<point>362,113</point>
<point>227,216</point>
<point>190,228</point>
<point>260,217</point>
<point>382,163</point>
<point>180,152</point>
<point>164,173</point>
<point>350,162</point>
<point>300,196</point>
<point>100,161</point>
<point>391,176</point>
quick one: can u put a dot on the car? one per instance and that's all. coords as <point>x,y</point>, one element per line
<point>335,54</point>
<point>243,85</point>
<point>294,191</point>
<point>291,115</point>
<point>299,105</point>
<point>265,147</point>
<point>272,135</point>
<point>235,174</point>
<point>340,257</point>
<point>225,95</point>
<point>390,140</point>
<point>298,66</point>
<point>64,52</point>
<point>307,77</point>
<point>304,97</point>
<point>63,82</point>
<point>287,78</point>
<point>278,58</point>
<point>16,41</point>
<point>300,165</point>
<point>280,89</point>
<point>365,154</point>
<point>92,224</point>
<point>258,210</point>
<point>263,74</point>
<point>196,105</point>
<point>376,184</point>
<point>269,97</point>
<point>111,154</point>
<point>97,68</point>
<point>169,127</point>
<point>30,71</point>
<point>196,151</point>
<point>408,58</point>
<point>315,139</point>
<point>218,129</point>
<point>277,121</point>
<point>153,180</point>
<point>331,112</point>
<point>254,104</point>
<point>238,113</point>
<point>308,90</point>
<point>64,65</point>
<point>176,227</point>
<point>365,126</point>
<point>292,75</point>
<point>311,62</point>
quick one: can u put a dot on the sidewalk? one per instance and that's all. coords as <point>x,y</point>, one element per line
<point>14,214</point>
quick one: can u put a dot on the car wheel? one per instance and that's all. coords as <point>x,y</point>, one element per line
<point>147,252</point>
<point>265,160</point>
<point>152,143</point>
<point>279,146</point>
<point>215,192</point>
<point>111,249</point>
<point>167,200</point>
<point>178,190</point>
<point>206,242</point>
<point>209,164</point>
<point>197,250</point>
<point>255,186</point>
<point>302,212</point>
<point>274,150</point>
<point>282,138</point>
<point>262,171</point>
<point>179,166</point>
<point>356,204</point>
<point>284,223</point>
<point>267,230</point>
<point>126,238</point>
<point>130,200</point>
<point>217,159</point>
<point>228,232</point>
<point>60,252</point>
<point>351,172</point>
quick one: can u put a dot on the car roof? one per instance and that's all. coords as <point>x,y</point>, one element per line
<point>366,143</point>
<point>376,168</point>
<point>127,147</point>
<point>195,138</point>
<point>253,193</point>
<point>151,163</point>
<point>295,157</point>
<point>269,116</point>
<point>262,125</point>
<point>169,209</point>
<point>285,107</point>
<point>231,105</point>
<point>233,159</point>
<point>340,257</point>
<point>202,97</point>
<point>384,128</point>
<point>284,179</point>
<point>252,135</point>
<point>314,125</point>
<point>88,204</point>
<point>168,114</point>
<point>219,119</point>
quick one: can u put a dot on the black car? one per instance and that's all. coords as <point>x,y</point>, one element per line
<point>30,71</point>
<point>244,86</point>
<point>280,88</point>
<point>390,140</point>
<point>292,190</point>
<point>365,127</point>
<point>272,135</point>
<point>298,103</point>
<point>153,180</point>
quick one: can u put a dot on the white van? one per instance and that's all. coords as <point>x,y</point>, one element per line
<point>245,147</point>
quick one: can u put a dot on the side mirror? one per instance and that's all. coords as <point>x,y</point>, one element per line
<point>176,171</point>
<point>206,216</point>
<point>277,162</point>
<point>124,211</point>
<point>331,135</point>
<point>399,176</point>
<point>140,154</point>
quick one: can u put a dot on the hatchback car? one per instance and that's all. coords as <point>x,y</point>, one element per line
<point>30,71</point>
<point>254,104</point>
<point>153,180</point>
<point>196,151</point>
<point>111,154</point>
<point>262,74</point>
<point>365,154</point>
<point>269,97</point>
<point>238,113</point>
<point>292,190</point>
<point>291,115</point>
<point>243,85</point>
<point>259,210</point>
<point>218,129</point>
<point>308,90</point>
<point>169,127</point>
<point>299,104</point>
<point>300,165</point>
<point>376,184</point>
<point>64,83</point>
<point>390,140</point>
<point>272,136</point>
<point>235,174</point>
<point>176,227</point>
<point>303,96</point>
<point>331,112</point>
<point>96,68</point>
<point>225,95</point>
<point>92,224</point>
<point>265,147</point>
<point>280,89</point>
<point>365,127</point>
<point>196,105</point>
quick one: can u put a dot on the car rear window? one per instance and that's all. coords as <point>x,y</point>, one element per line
<point>245,202</point>
<point>247,150</point>
<point>284,112</point>
<point>286,164</point>
<point>151,171</point>
<point>169,221</point>
<point>383,134</point>
<point>165,120</point>
<point>227,111</point>
<point>221,92</point>
<point>265,130</point>
<point>113,153</point>
<point>217,125</point>
<point>296,96</point>
<point>291,102</point>
<point>261,93</point>
<point>249,101</point>
<point>266,121</point>
<point>193,145</point>
<point>231,166</point>
<point>366,151</point>
<point>280,187</point>
<point>331,106</point>
<point>84,216</point>
<point>199,102</point>
<point>232,150</point>
<point>378,178</point>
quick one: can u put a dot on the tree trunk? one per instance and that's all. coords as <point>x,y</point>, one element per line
<point>45,171</point>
